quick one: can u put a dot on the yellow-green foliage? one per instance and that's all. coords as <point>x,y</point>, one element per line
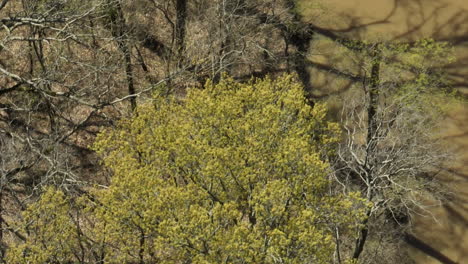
<point>52,231</point>
<point>234,173</point>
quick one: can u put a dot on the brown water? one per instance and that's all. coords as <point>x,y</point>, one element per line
<point>405,20</point>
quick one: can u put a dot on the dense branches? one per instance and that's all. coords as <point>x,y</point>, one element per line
<point>231,173</point>
<point>389,150</point>
<point>71,69</point>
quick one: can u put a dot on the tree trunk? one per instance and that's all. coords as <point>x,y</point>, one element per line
<point>361,241</point>
<point>300,39</point>
<point>302,44</point>
<point>181,17</point>
<point>119,32</point>
<point>373,97</point>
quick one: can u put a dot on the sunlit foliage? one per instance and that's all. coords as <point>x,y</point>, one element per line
<point>233,173</point>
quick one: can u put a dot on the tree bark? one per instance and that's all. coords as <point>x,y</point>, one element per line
<point>300,39</point>
<point>302,44</point>
<point>361,241</point>
<point>181,17</point>
<point>373,95</point>
<point>119,32</point>
<point>372,126</point>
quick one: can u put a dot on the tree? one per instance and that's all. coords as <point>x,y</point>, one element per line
<point>390,152</point>
<point>232,173</point>
<point>46,106</point>
<point>62,79</point>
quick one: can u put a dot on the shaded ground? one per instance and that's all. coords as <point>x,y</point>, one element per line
<point>450,235</point>
<point>409,20</point>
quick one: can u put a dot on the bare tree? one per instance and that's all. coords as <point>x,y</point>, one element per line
<point>390,152</point>
<point>60,81</point>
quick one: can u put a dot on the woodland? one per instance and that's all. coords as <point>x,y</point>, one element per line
<point>177,131</point>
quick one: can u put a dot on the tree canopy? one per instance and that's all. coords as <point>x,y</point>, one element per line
<point>233,173</point>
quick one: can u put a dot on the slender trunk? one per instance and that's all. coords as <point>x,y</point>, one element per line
<point>119,32</point>
<point>141,60</point>
<point>302,44</point>
<point>181,17</point>
<point>338,249</point>
<point>300,38</point>
<point>361,241</point>
<point>3,4</point>
<point>373,95</point>
<point>141,251</point>
<point>129,75</point>
<point>372,126</point>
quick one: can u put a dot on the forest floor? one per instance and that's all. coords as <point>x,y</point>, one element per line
<point>408,21</point>
<point>450,234</point>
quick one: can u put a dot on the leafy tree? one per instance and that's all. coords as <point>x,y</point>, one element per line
<point>233,173</point>
<point>52,232</point>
